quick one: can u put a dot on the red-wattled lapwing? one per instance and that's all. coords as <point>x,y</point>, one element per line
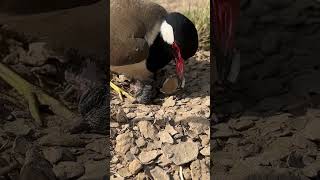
<point>145,38</point>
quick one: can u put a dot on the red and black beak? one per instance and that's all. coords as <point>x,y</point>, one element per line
<point>225,15</point>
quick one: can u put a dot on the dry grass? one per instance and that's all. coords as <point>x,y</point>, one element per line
<point>201,18</point>
<point>198,11</point>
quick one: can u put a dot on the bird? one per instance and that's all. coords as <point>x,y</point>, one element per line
<point>144,38</point>
<point>76,29</point>
<point>224,23</point>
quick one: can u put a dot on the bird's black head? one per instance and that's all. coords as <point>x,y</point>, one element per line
<point>176,31</point>
<point>184,33</point>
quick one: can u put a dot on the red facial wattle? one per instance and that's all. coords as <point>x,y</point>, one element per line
<point>179,61</point>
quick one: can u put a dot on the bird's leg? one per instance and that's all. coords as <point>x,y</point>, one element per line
<point>121,92</point>
<point>34,95</point>
<point>145,91</point>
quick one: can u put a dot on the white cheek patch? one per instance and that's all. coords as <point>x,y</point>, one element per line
<point>167,32</point>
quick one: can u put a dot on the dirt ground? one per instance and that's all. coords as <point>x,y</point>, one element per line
<point>169,139</point>
<point>271,121</point>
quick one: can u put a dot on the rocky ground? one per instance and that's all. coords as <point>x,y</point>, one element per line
<point>69,156</point>
<point>169,139</point>
<point>271,121</point>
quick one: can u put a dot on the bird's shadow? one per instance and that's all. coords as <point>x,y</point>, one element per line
<point>280,71</point>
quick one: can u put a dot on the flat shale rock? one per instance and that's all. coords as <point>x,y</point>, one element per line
<point>169,102</point>
<point>99,146</point>
<point>124,172</point>
<point>222,130</point>
<point>135,166</point>
<point>124,142</point>
<point>140,142</point>
<point>147,157</point>
<point>277,150</point>
<point>57,154</point>
<point>147,129</point>
<point>164,161</point>
<point>199,170</point>
<point>205,151</point>
<point>17,128</point>
<point>65,140</point>
<point>241,125</point>
<point>159,174</point>
<point>181,153</point>
<point>95,170</point>
<point>311,130</point>
<point>165,137</point>
<point>312,170</point>
<point>68,170</point>
<point>199,125</point>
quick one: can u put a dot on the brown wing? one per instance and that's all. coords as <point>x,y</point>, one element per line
<point>82,28</point>
<point>127,45</point>
<point>130,23</point>
<point>40,6</point>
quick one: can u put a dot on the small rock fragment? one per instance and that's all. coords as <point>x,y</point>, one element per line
<point>312,170</point>
<point>164,161</point>
<point>142,176</point>
<point>181,153</point>
<point>99,146</point>
<point>17,128</point>
<point>124,172</point>
<point>205,151</point>
<point>169,102</point>
<point>204,140</point>
<point>147,129</point>
<point>124,142</point>
<point>140,142</point>
<point>68,170</point>
<point>56,154</point>
<point>199,125</point>
<point>311,131</point>
<point>135,166</point>
<point>147,156</point>
<point>222,130</point>
<point>199,170</point>
<point>95,170</point>
<point>243,125</point>
<point>165,137</point>
<point>159,174</point>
